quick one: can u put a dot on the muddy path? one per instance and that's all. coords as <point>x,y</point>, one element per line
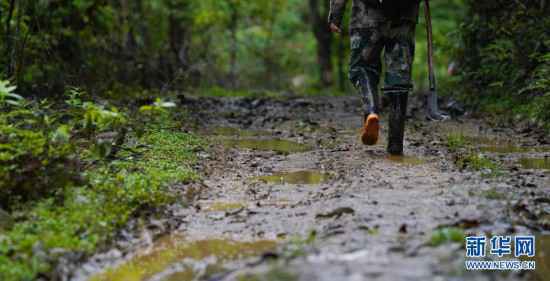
<point>289,193</point>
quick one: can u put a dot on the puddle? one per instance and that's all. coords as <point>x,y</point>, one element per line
<point>498,145</point>
<point>406,160</point>
<point>300,177</point>
<point>494,145</point>
<point>486,140</point>
<point>535,163</point>
<point>506,148</point>
<point>173,258</point>
<point>542,258</point>
<point>277,145</point>
<point>236,132</point>
<point>223,206</point>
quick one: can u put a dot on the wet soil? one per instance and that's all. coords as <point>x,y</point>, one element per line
<point>289,193</point>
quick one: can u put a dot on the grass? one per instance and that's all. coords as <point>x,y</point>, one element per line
<point>456,141</point>
<point>493,194</point>
<point>469,158</point>
<point>446,235</point>
<point>479,162</point>
<point>83,218</point>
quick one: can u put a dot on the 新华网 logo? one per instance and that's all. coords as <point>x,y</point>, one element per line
<point>500,246</point>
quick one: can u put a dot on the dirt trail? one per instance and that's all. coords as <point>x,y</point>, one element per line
<point>369,216</point>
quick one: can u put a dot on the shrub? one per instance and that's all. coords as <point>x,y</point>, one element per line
<point>36,157</point>
<point>506,60</point>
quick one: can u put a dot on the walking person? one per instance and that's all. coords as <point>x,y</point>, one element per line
<point>376,27</point>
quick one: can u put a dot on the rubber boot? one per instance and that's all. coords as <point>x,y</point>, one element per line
<point>397,116</point>
<point>369,95</point>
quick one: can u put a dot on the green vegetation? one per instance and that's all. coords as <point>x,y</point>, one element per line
<point>506,59</point>
<point>175,44</point>
<point>87,136</point>
<point>468,156</point>
<point>493,194</point>
<point>212,47</point>
<point>456,141</point>
<point>446,235</point>
<point>296,247</point>
<point>72,175</point>
<point>479,162</point>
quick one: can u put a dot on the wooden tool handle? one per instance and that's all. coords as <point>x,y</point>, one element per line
<point>429,32</point>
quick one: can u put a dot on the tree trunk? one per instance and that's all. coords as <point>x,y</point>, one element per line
<point>124,23</point>
<point>323,37</point>
<point>233,25</point>
<point>177,34</point>
<point>17,46</point>
<point>9,39</point>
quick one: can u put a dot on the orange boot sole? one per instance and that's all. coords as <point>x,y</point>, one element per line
<point>371,128</point>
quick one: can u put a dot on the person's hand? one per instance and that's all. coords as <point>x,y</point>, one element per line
<point>334,28</point>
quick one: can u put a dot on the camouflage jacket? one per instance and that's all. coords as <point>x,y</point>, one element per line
<point>365,13</point>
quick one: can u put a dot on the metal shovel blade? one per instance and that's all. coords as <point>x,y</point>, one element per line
<point>433,113</point>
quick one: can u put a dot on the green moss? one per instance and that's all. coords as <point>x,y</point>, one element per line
<point>82,217</point>
<point>171,155</point>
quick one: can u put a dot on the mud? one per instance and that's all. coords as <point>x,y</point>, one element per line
<point>294,172</point>
<point>277,145</point>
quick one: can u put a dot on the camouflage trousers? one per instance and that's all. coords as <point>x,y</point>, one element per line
<point>395,39</point>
